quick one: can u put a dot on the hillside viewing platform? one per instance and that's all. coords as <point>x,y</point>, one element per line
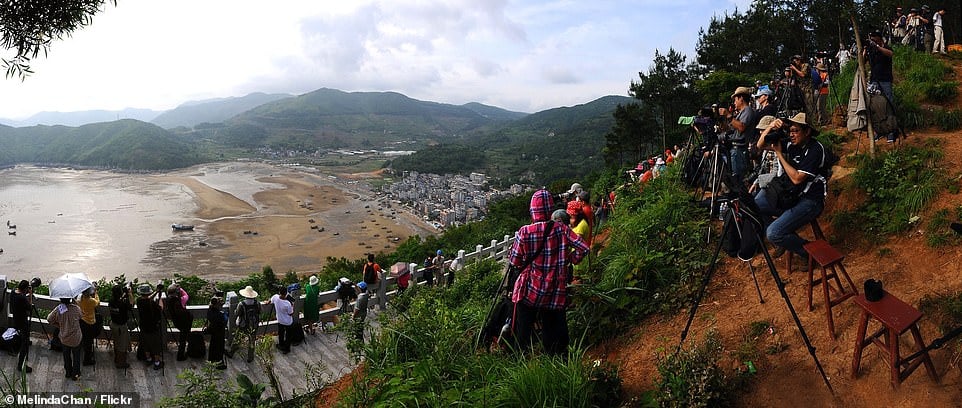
<point>327,348</point>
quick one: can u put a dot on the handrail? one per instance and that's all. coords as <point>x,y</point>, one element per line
<point>38,324</point>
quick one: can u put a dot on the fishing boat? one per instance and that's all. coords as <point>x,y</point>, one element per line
<point>182,227</point>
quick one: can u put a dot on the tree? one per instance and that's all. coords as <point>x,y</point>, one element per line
<point>668,88</point>
<point>627,141</point>
<point>28,27</point>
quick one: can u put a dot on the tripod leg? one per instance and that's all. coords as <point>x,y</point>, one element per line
<point>704,286</point>
<point>788,302</point>
<point>757,288</point>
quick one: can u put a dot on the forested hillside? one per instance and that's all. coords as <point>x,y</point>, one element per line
<point>125,145</point>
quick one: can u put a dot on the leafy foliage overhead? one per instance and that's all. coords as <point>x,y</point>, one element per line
<point>29,26</point>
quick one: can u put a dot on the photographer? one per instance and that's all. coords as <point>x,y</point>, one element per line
<point>879,57</point>
<point>91,324</point>
<point>21,303</point>
<point>121,306</point>
<point>743,121</point>
<point>797,196</point>
<point>802,76</point>
<point>543,250</point>
<point>180,317</point>
<point>151,319</point>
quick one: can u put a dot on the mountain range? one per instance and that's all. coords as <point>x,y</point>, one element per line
<point>320,120</point>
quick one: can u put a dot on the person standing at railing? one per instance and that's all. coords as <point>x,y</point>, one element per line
<point>542,251</point>
<point>121,306</point>
<point>180,317</point>
<point>311,307</point>
<point>90,323</point>
<point>151,318</point>
<point>217,329</point>
<point>66,318</point>
<point>284,311</point>
<point>20,306</point>
<point>247,319</point>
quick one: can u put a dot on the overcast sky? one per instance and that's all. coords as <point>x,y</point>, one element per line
<point>523,55</point>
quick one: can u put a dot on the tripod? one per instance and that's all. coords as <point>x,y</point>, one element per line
<point>745,207</point>
<point>711,171</point>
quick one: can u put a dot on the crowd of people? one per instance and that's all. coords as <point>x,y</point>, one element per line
<point>920,28</point>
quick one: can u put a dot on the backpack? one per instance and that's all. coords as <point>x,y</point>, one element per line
<point>250,317</point>
<point>816,78</point>
<point>345,289</point>
<point>370,274</point>
<point>196,348</point>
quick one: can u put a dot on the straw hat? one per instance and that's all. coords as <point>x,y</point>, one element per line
<point>248,292</point>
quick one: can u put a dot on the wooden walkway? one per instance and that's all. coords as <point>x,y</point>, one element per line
<point>328,348</point>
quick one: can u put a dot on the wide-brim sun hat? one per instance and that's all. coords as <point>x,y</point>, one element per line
<point>248,292</point>
<point>144,290</point>
<point>742,90</point>
<point>574,188</point>
<point>313,280</point>
<point>765,122</point>
<point>801,119</point>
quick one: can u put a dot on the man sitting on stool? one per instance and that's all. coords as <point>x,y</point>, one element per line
<point>800,159</point>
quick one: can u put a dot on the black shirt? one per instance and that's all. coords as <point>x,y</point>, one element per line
<point>881,65</point>
<point>150,315</point>
<point>20,307</point>
<point>120,310</point>
<point>808,159</point>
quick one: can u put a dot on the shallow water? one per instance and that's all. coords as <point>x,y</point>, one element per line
<point>95,222</point>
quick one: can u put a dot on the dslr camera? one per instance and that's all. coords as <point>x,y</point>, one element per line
<point>779,135</point>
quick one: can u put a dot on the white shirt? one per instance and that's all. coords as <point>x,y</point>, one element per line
<point>937,20</point>
<point>283,309</point>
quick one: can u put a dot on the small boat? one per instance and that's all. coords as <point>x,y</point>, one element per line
<point>182,227</point>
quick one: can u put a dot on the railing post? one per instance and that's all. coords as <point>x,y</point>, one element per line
<point>413,267</point>
<point>478,250</point>
<point>5,307</point>
<point>382,291</point>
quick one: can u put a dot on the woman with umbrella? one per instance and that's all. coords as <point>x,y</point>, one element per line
<point>66,318</point>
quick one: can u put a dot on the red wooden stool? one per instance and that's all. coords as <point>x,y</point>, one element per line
<point>826,257</point>
<point>817,232</point>
<point>896,318</point>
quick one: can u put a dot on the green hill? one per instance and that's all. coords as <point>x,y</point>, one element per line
<point>329,118</point>
<point>125,144</point>
<point>549,145</point>
<point>213,111</point>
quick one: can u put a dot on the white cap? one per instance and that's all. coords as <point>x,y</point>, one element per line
<point>574,188</point>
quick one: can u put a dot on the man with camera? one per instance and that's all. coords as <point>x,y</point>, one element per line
<point>802,77</point>
<point>797,196</point>
<point>21,303</point>
<point>121,306</point>
<point>742,121</point>
<point>879,57</point>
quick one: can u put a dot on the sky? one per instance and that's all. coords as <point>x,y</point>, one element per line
<point>521,55</point>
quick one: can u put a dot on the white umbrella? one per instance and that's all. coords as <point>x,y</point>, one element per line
<point>69,285</point>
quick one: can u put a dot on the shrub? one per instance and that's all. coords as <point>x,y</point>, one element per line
<point>652,261</point>
<point>950,119</point>
<point>899,184</point>
<point>692,378</point>
<point>942,92</point>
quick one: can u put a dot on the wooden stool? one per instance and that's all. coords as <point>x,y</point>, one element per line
<point>821,253</point>
<point>896,318</point>
<point>817,232</point>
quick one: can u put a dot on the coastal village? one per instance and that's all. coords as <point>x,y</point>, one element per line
<point>446,200</point>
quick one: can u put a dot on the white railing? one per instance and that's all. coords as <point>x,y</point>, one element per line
<point>38,321</point>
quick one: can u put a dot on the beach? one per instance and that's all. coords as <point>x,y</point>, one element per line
<point>295,221</point>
